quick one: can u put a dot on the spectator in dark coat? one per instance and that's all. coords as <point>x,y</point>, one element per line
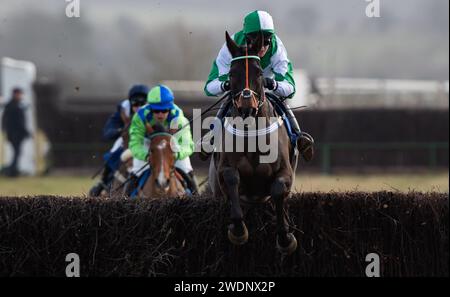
<point>13,123</point>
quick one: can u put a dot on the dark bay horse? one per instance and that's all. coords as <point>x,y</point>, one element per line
<point>240,175</point>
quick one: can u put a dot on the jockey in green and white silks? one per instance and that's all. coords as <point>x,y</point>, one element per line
<point>275,62</point>
<point>162,110</point>
<point>277,70</point>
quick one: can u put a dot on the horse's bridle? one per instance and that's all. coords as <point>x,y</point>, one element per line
<point>247,93</point>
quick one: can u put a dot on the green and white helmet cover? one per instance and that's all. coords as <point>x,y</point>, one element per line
<point>258,20</point>
<point>275,62</point>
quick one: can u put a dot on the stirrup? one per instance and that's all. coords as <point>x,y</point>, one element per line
<point>306,149</point>
<point>307,136</point>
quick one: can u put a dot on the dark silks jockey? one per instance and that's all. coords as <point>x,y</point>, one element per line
<point>116,124</point>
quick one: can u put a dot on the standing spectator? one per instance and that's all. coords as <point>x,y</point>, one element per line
<point>13,123</point>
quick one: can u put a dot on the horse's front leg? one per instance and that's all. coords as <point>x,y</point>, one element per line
<point>175,188</point>
<point>229,182</point>
<point>148,189</point>
<point>286,242</point>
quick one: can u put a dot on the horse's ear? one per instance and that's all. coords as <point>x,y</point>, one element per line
<point>158,128</point>
<point>255,47</point>
<point>232,46</point>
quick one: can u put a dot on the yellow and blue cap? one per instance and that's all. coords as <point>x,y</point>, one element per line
<point>160,98</point>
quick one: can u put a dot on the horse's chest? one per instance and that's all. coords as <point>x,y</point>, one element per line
<point>249,167</point>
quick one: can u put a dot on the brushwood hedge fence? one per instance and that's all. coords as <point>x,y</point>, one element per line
<point>187,237</point>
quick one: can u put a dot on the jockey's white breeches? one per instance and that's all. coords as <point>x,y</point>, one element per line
<point>117,144</point>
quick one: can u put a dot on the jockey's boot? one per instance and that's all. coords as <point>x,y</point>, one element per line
<point>305,142</point>
<point>96,190</point>
<point>194,183</point>
<point>106,175</point>
<point>208,138</point>
<point>102,184</point>
<point>131,185</point>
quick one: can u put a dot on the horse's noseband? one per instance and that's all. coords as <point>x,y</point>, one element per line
<point>247,94</point>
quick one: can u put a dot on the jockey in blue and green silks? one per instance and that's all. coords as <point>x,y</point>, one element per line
<point>277,70</point>
<point>161,109</point>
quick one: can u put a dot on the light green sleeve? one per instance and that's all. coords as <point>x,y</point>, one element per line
<point>184,138</point>
<point>137,136</point>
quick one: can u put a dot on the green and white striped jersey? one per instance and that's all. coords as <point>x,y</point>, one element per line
<point>275,64</point>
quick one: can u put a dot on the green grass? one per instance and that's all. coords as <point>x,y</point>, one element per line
<point>49,185</point>
<point>436,182</point>
<point>80,185</point>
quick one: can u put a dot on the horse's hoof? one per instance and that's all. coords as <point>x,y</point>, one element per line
<point>290,248</point>
<point>238,240</point>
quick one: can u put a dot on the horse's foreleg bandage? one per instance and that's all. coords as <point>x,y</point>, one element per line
<point>119,177</point>
<point>126,155</point>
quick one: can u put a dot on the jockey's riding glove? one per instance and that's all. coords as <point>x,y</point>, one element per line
<point>225,86</point>
<point>270,83</point>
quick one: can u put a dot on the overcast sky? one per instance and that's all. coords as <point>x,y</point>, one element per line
<point>118,42</point>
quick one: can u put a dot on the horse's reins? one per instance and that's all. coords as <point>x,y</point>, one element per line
<point>130,177</point>
<point>225,96</point>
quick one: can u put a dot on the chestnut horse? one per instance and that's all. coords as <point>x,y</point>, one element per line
<point>164,179</point>
<point>241,175</point>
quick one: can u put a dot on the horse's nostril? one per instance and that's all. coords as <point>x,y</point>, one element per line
<point>247,94</point>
